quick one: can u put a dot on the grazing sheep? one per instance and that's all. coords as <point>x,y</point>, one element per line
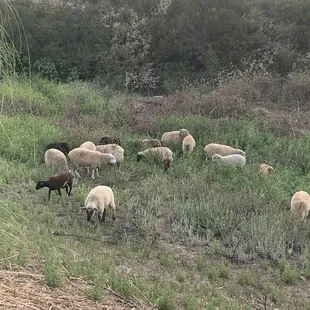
<point>62,179</point>
<point>109,140</point>
<point>114,149</point>
<point>161,154</point>
<point>233,159</point>
<point>221,149</point>
<point>147,143</point>
<point>171,137</point>
<point>88,145</point>
<point>188,141</point>
<point>98,199</point>
<point>56,158</point>
<point>61,146</point>
<point>300,204</point>
<point>266,169</point>
<point>86,158</point>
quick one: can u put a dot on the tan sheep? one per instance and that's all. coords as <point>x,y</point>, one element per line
<point>266,169</point>
<point>88,145</point>
<point>56,159</point>
<point>114,149</point>
<point>86,158</point>
<point>188,141</point>
<point>98,199</point>
<point>171,137</point>
<point>300,204</point>
<point>147,143</point>
<point>160,154</point>
<point>221,149</point>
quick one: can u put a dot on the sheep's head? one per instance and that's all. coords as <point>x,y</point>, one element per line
<point>40,184</point>
<point>216,157</point>
<point>183,133</point>
<point>90,210</point>
<point>112,159</point>
<point>240,152</point>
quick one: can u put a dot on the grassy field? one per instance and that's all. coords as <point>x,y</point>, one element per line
<point>201,236</point>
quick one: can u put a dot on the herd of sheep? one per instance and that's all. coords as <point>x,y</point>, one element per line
<point>110,152</point>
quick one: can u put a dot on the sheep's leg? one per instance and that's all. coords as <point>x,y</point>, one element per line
<point>103,215</point>
<point>166,165</point>
<point>70,189</point>
<point>118,164</point>
<point>49,194</point>
<point>93,174</point>
<point>97,171</point>
<point>77,174</point>
<point>59,193</point>
<point>113,208</point>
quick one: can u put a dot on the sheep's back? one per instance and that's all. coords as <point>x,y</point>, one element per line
<point>171,137</point>
<point>55,158</point>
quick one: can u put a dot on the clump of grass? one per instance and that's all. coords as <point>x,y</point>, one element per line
<point>289,273</point>
<point>52,271</point>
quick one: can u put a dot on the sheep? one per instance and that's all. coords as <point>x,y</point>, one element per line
<point>88,145</point>
<point>161,154</point>
<point>300,204</point>
<point>62,179</point>
<point>56,158</point>
<point>221,149</point>
<point>98,199</point>
<point>188,141</point>
<point>61,146</point>
<point>265,169</point>
<point>86,158</point>
<point>109,140</point>
<point>114,149</point>
<point>147,143</point>
<point>233,159</point>
<point>171,137</point>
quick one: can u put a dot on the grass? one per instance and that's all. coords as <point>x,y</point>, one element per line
<point>181,238</point>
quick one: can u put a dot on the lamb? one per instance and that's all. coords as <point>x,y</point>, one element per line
<point>61,146</point>
<point>86,158</point>
<point>147,143</point>
<point>266,169</point>
<point>188,141</point>
<point>109,140</point>
<point>300,204</point>
<point>62,179</point>
<point>88,145</point>
<point>233,159</point>
<point>98,199</point>
<point>56,158</point>
<point>221,149</point>
<point>114,149</point>
<point>161,154</point>
<point>171,137</point>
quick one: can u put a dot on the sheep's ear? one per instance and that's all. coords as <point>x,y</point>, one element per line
<point>83,208</point>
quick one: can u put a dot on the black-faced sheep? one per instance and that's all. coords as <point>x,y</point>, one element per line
<point>160,154</point>
<point>98,199</point>
<point>56,159</point>
<point>109,140</point>
<point>300,204</point>
<point>89,159</point>
<point>188,141</point>
<point>266,169</point>
<point>60,180</point>
<point>61,146</point>
<point>221,149</point>
<point>233,159</point>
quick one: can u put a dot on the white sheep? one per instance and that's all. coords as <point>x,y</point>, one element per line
<point>188,141</point>
<point>300,204</point>
<point>233,159</point>
<point>98,199</point>
<point>88,145</point>
<point>147,143</point>
<point>221,149</point>
<point>56,159</point>
<point>171,137</point>
<point>86,158</point>
<point>114,149</point>
<point>161,154</point>
<point>265,168</point>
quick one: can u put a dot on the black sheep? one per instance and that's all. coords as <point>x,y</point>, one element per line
<point>61,146</point>
<point>109,140</point>
<point>60,180</point>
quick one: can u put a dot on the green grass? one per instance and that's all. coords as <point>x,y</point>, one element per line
<point>177,234</point>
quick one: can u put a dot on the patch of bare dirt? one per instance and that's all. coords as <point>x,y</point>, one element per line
<point>25,289</point>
